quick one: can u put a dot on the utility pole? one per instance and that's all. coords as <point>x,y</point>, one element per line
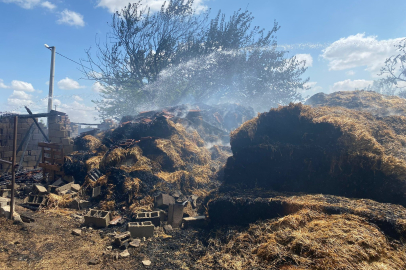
<point>51,77</point>
<point>13,168</point>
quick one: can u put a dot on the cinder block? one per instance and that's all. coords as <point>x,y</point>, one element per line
<point>98,218</point>
<point>164,200</point>
<point>154,217</point>
<point>175,215</point>
<point>96,191</point>
<point>141,229</point>
<point>64,188</point>
<point>38,189</point>
<point>123,238</point>
<point>5,201</point>
<point>35,200</point>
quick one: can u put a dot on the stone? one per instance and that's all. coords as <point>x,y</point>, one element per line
<point>93,262</point>
<point>135,243</point>
<point>125,254</point>
<point>77,232</point>
<point>168,228</point>
<point>146,262</point>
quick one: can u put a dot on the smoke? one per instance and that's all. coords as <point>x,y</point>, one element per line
<point>257,77</point>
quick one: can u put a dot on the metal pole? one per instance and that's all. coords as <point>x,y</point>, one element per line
<point>13,167</point>
<point>51,79</point>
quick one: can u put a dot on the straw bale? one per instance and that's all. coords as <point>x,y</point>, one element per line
<point>57,201</point>
<point>308,240</point>
<point>330,150</point>
<point>93,163</point>
<point>88,143</point>
<point>369,101</point>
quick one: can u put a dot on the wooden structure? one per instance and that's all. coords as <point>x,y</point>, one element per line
<point>52,160</point>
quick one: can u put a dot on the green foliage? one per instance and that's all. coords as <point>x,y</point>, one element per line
<point>176,55</point>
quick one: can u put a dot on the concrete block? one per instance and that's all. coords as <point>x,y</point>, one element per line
<point>141,229</point>
<point>39,189</point>
<point>98,218</point>
<point>123,238</point>
<point>5,201</point>
<point>80,204</point>
<point>5,193</point>
<point>75,187</point>
<point>64,187</point>
<point>5,212</point>
<point>154,217</point>
<point>194,222</point>
<point>164,200</point>
<point>96,191</point>
<point>35,200</point>
<point>175,215</point>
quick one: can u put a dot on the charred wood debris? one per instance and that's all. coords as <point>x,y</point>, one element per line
<point>154,204</point>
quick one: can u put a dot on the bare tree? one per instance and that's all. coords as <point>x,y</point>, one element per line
<point>395,66</point>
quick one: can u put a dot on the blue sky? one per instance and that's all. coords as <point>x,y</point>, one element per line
<point>344,42</point>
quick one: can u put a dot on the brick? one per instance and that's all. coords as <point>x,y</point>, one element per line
<point>141,229</point>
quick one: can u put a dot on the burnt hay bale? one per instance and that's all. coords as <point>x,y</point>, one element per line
<point>320,150</point>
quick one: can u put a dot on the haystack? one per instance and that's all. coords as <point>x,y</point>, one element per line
<point>369,101</point>
<point>330,150</point>
<point>307,240</point>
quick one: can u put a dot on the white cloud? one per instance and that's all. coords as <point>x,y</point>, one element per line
<point>349,85</point>
<point>48,5</point>
<point>39,91</point>
<point>21,86</point>
<point>47,83</point>
<point>71,18</point>
<point>69,84</point>
<point>305,57</point>
<point>77,98</point>
<point>27,4</point>
<point>79,112</point>
<point>2,85</point>
<point>19,98</point>
<point>350,73</point>
<point>97,87</point>
<point>155,5</point>
<point>358,50</point>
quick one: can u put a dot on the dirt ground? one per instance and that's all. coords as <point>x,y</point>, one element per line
<point>48,243</point>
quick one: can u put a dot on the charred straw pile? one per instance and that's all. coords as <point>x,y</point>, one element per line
<point>330,150</point>
<point>172,150</point>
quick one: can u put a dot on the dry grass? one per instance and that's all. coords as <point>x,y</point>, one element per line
<point>89,143</point>
<point>308,240</point>
<point>57,201</point>
<point>369,101</point>
<point>93,163</point>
